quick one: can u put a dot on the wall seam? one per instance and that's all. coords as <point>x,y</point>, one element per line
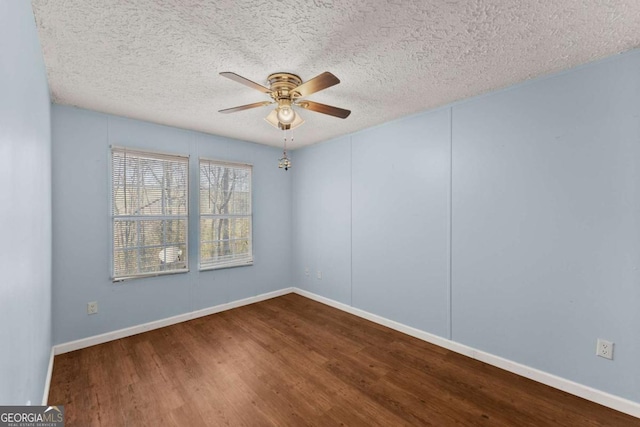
<point>292,217</point>
<point>193,251</point>
<point>450,272</point>
<point>109,180</point>
<point>351,219</point>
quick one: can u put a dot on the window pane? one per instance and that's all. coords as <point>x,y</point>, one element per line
<point>225,253</point>
<point>224,189</point>
<point>125,263</point>
<point>125,234</point>
<point>147,260</point>
<point>149,187</point>
<point>144,246</point>
<point>149,253</point>
<point>212,229</point>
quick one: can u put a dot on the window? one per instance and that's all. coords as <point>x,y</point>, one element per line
<point>149,208</point>
<point>225,214</point>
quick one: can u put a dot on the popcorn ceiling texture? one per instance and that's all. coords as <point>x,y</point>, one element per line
<point>159,60</point>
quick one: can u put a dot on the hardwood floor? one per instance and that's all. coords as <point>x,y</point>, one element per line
<point>293,361</point>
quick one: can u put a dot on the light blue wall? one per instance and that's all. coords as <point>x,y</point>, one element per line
<point>81,248</point>
<point>25,208</point>
<point>546,224</point>
<point>509,222</point>
<point>400,221</point>
<point>322,219</point>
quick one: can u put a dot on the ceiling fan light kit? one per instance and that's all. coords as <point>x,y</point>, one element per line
<point>287,90</point>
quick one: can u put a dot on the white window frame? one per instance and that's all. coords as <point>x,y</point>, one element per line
<point>234,263</point>
<point>141,152</point>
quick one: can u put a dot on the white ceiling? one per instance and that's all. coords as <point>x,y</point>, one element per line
<point>159,60</point>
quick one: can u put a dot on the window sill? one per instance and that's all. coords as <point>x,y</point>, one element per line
<point>246,264</point>
<point>144,276</point>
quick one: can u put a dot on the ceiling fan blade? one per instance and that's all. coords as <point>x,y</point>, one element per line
<point>272,119</point>
<point>316,84</point>
<point>246,82</point>
<point>245,107</point>
<point>324,109</point>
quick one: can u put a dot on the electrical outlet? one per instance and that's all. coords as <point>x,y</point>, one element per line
<point>604,349</point>
<point>92,307</point>
<point>319,275</point>
<point>306,271</point>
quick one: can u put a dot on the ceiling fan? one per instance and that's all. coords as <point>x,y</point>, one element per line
<point>287,90</point>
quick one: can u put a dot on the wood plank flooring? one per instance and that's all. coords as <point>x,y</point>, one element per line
<point>291,361</point>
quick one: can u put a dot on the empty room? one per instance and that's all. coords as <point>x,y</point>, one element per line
<point>293,213</point>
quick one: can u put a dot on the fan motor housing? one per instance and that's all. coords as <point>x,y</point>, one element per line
<point>281,85</point>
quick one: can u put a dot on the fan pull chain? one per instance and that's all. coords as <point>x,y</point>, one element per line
<point>284,162</point>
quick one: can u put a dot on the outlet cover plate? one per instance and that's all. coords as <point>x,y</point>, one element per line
<point>92,307</point>
<point>604,349</point>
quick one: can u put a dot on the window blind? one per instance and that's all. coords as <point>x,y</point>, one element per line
<point>225,215</point>
<point>149,208</point>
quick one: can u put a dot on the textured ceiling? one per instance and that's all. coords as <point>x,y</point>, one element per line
<point>159,60</point>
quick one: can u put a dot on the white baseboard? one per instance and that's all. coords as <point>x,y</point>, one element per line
<point>134,330</point>
<point>615,402</point>
<point>47,380</point>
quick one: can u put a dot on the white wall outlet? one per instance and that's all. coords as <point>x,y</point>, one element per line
<point>604,349</point>
<point>306,271</point>
<point>92,307</point>
<point>319,275</point>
